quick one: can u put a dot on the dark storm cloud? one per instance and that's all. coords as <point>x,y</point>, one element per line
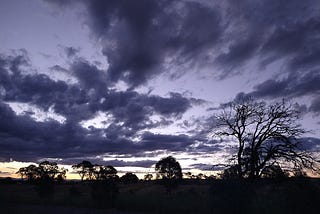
<point>274,30</point>
<point>298,42</point>
<point>315,105</point>
<point>239,52</point>
<point>38,89</point>
<point>81,101</point>
<point>172,106</point>
<point>170,142</point>
<point>89,76</point>
<point>204,167</point>
<point>135,109</point>
<point>210,146</point>
<point>310,144</point>
<point>147,33</point>
<point>295,85</point>
<point>25,139</point>
<point>142,38</point>
<point>121,163</point>
<point>284,32</point>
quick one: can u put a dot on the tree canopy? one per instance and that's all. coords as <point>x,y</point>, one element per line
<point>85,169</point>
<point>168,168</point>
<point>45,171</point>
<point>104,172</point>
<point>94,171</point>
<point>129,177</point>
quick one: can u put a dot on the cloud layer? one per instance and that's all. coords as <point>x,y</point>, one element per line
<point>146,38</point>
<point>142,40</point>
<point>26,139</point>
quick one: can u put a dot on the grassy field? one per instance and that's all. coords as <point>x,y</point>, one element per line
<point>265,196</point>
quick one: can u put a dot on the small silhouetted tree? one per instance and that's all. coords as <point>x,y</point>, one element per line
<point>168,168</point>
<point>299,173</point>
<point>211,177</point>
<point>129,178</point>
<point>61,175</point>
<point>105,188</point>
<point>43,176</point>
<point>201,176</point>
<point>48,170</point>
<point>274,172</point>
<point>189,175</point>
<point>148,177</point>
<point>31,172</point>
<point>230,173</point>
<point>85,169</point>
<point>266,135</point>
<point>104,172</point>
<point>44,171</point>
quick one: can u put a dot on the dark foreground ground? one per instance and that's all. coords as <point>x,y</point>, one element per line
<point>266,196</point>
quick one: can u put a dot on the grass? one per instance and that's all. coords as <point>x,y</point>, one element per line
<point>265,196</point>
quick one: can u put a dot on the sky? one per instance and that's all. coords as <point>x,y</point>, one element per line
<point>126,83</point>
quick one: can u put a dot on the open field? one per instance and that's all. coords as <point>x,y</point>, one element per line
<point>266,196</point>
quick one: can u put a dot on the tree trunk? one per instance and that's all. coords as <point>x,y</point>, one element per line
<point>239,167</point>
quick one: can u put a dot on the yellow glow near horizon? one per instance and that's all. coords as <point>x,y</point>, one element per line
<point>9,169</point>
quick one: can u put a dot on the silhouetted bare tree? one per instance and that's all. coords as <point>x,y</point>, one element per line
<point>266,135</point>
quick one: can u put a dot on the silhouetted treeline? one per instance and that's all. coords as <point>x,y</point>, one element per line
<point>45,171</point>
